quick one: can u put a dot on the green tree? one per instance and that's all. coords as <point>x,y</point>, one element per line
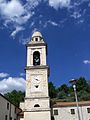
<point>52,90</point>
<point>15,97</point>
<point>83,90</point>
<point>63,88</point>
<point>65,93</point>
<point>62,91</point>
<point>82,84</point>
<point>88,88</point>
<point>83,95</point>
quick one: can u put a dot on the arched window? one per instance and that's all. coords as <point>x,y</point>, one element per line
<point>36,58</point>
<point>36,105</point>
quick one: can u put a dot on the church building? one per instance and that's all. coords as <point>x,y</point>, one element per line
<point>37,102</point>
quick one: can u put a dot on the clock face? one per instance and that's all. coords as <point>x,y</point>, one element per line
<point>36,79</point>
<point>36,83</point>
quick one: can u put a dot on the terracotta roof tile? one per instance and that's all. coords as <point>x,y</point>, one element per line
<point>67,104</point>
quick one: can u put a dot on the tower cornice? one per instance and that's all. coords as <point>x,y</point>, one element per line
<point>38,67</point>
<point>36,44</point>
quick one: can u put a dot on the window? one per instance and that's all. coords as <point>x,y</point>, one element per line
<point>36,39</point>
<point>37,105</point>
<point>8,106</point>
<point>72,111</point>
<point>88,110</point>
<point>15,109</point>
<point>21,116</point>
<point>5,117</point>
<point>10,118</point>
<point>52,118</point>
<point>36,58</point>
<point>55,112</point>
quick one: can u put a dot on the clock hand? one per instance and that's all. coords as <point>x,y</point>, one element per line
<point>36,79</point>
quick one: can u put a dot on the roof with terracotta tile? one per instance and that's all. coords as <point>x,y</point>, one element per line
<point>67,104</point>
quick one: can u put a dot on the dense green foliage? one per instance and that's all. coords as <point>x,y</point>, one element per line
<point>15,97</point>
<point>52,90</point>
<point>62,93</point>
<point>66,93</point>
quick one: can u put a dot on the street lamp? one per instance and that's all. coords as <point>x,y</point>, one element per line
<point>73,82</point>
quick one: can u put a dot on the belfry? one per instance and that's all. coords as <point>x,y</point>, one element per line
<point>37,101</point>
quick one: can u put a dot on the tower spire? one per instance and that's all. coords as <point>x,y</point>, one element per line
<point>36,38</point>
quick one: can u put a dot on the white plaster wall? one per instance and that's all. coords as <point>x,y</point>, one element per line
<point>22,105</point>
<point>85,115</point>
<point>45,115</point>
<point>13,114</point>
<point>4,111</point>
<point>43,103</point>
<point>3,108</point>
<point>64,113</point>
<point>21,118</point>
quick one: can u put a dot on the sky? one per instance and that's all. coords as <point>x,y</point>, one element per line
<point>65,26</point>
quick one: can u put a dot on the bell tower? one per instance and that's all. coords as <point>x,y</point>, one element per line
<point>37,102</point>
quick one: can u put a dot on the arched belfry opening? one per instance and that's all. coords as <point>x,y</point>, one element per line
<point>36,105</point>
<point>36,58</point>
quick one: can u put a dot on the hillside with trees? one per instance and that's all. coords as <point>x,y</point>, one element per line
<point>62,93</point>
<point>66,93</point>
<point>15,97</point>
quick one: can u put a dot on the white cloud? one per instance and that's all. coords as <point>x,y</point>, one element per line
<point>33,3</point>
<point>12,8</point>
<point>59,3</point>
<point>86,61</point>
<point>22,74</point>
<point>76,14</point>
<point>3,75</point>
<point>9,84</point>
<point>53,23</point>
<point>15,13</point>
<point>18,28</point>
